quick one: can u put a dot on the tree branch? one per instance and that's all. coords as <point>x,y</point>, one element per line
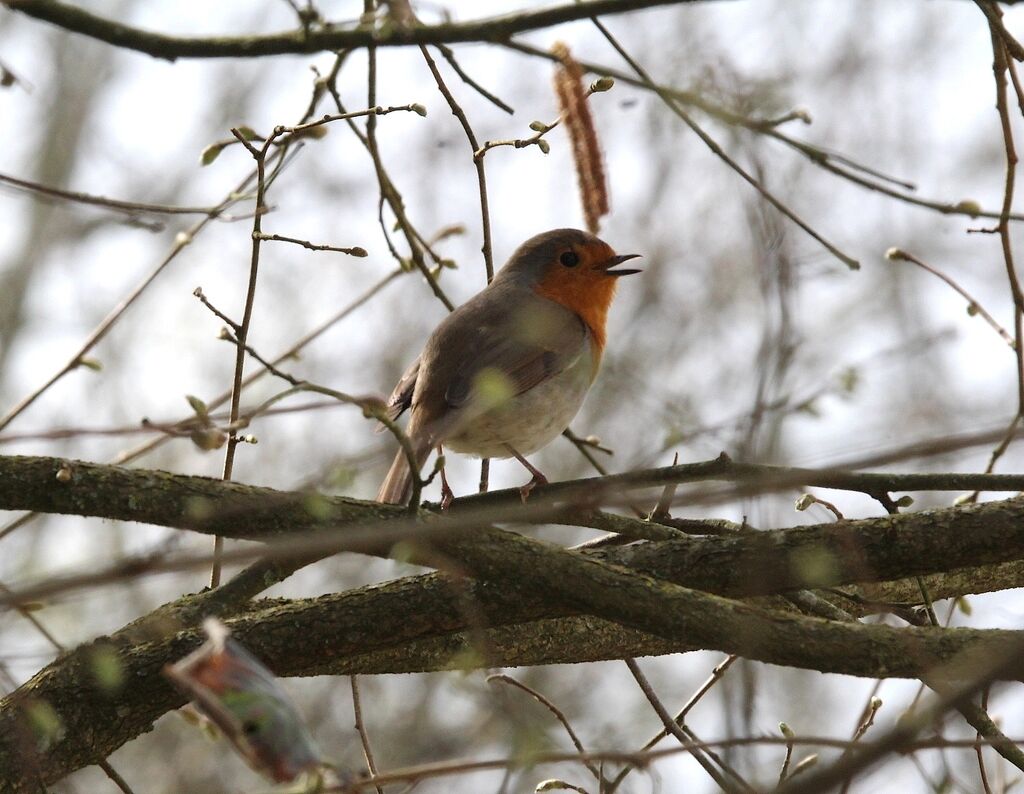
<point>418,623</point>
<point>304,41</point>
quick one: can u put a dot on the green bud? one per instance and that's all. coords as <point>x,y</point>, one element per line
<point>90,363</point>
<point>969,206</point>
<point>544,146</point>
<point>208,438</point>
<point>601,85</point>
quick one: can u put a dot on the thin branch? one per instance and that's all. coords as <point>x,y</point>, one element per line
<point>1000,66</point>
<point>309,40</point>
<point>676,108</point>
<point>364,738</point>
<point>242,328</point>
<point>356,251</point>
<point>117,205</point>
<point>732,783</point>
<point>478,162</point>
<point>819,156</point>
<point>494,100</point>
<point>716,675</point>
<point>557,712</point>
<point>756,478</point>
<point>905,731</point>
<point>973,306</point>
<point>181,241</point>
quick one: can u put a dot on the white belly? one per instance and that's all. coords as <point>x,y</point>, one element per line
<point>529,420</point>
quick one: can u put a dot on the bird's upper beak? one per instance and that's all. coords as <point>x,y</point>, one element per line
<point>618,260</point>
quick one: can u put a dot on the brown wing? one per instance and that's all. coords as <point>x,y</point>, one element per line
<point>523,344</point>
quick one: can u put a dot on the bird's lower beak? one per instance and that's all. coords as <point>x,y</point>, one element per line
<point>618,260</point>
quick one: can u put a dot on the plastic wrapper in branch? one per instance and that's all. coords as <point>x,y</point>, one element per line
<point>239,695</point>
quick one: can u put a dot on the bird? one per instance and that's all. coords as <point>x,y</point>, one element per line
<point>506,372</point>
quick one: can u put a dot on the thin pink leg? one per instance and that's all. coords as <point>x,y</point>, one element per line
<point>538,477</point>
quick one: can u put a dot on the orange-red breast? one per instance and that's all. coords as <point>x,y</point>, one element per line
<point>507,371</point>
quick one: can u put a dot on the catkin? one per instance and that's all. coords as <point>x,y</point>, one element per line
<point>586,150</point>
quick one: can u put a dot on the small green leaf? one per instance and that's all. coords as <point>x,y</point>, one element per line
<point>211,153</point>
<point>247,132</point>
<point>198,406</point>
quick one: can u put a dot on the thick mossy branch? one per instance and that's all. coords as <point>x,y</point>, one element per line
<point>530,602</point>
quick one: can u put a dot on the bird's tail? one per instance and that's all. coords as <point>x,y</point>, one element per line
<point>397,485</point>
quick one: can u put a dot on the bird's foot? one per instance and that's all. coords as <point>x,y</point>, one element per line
<point>447,494</point>
<point>538,477</point>
<point>526,490</point>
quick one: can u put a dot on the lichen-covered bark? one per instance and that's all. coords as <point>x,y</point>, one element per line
<point>531,602</point>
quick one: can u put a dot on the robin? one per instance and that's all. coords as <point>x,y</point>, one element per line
<point>507,371</point>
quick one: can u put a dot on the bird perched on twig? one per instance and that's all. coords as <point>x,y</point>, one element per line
<point>507,371</point>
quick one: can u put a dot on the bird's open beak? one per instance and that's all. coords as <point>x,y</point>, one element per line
<point>618,260</point>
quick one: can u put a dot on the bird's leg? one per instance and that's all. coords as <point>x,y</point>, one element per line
<point>537,479</point>
<point>447,494</point>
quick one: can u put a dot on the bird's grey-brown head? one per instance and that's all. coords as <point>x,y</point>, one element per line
<point>569,250</point>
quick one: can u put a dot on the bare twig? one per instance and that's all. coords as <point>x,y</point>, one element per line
<point>716,676</point>
<point>544,701</point>
<point>973,306</point>
<point>478,162</point>
<point>280,238</point>
<point>677,108</point>
<point>833,162</point>
<point>731,781</point>
<point>364,738</point>
<point>118,205</point>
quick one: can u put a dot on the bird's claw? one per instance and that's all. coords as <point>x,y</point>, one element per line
<point>526,490</point>
<point>447,494</point>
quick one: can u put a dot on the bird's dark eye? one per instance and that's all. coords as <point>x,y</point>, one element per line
<point>569,259</point>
